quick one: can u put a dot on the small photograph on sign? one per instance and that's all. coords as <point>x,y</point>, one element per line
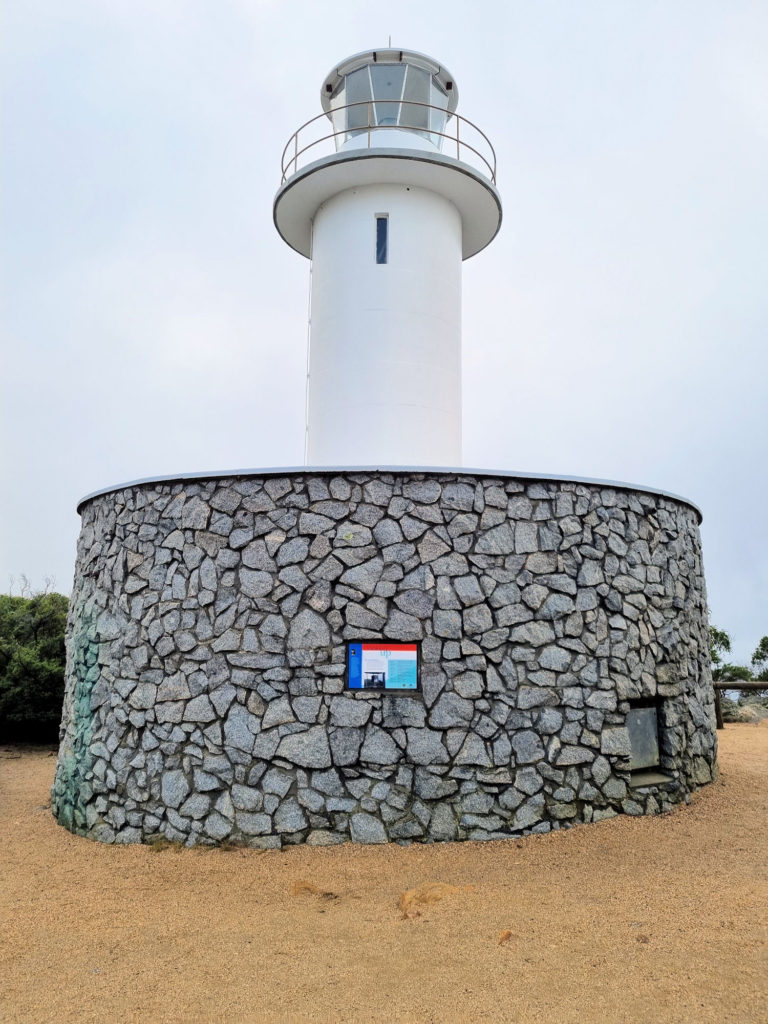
<point>373,666</point>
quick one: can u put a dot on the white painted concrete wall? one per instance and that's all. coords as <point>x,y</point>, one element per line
<point>395,138</point>
<point>385,340</point>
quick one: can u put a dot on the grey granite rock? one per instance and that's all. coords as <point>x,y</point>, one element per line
<point>533,633</point>
<point>614,789</point>
<point>424,491</point>
<point>449,710</point>
<point>345,744</point>
<point>601,770</point>
<point>143,696</point>
<point>477,619</point>
<point>346,710</point>
<point>403,627</point>
<point>526,537</point>
<point>173,687</point>
<point>442,823</point>
<point>556,606</point>
<point>556,658</point>
<point>309,749</point>
<point>253,824</point>
<point>425,747</point>
<point>174,788</point>
<point>447,623</point>
<point>575,755</point>
<point>290,817</point>
<point>615,741</point>
<point>255,583</point>
<point>292,551</point>
<point>217,826</point>
<point>469,685</point>
<point>199,709</point>
<point>590,573</point>
<point>278,712</point>
<point>239,728</point>
<point>247,798</point>
<point>500,540</point>
<point>307,630</point>
<point>365,828</point>
<point>415,603</point>
<point>352,535</point>
<point>529,813</point>
<point>527,747</point>
<point>473,751</point>
<point>196,806</point>
<point>379,747</point>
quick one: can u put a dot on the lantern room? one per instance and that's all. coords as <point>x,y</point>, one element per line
<point>389,98</point>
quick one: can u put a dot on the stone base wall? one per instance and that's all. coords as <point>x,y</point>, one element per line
<point>206,699</point>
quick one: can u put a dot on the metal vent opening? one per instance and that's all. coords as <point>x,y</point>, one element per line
<point>643,728</point>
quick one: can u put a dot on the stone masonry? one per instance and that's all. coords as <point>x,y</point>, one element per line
<point>206,702</point>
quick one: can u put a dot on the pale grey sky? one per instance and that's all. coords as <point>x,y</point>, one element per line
<point>154,322</point>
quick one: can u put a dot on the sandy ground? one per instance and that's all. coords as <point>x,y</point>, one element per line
<point>643,920</point>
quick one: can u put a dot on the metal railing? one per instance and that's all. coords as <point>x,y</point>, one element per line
<point>297,147</point>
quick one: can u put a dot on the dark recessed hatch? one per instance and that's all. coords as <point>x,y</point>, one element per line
<point>643,728</point>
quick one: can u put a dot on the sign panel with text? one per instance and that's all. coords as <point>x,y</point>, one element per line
<point>382,666</point>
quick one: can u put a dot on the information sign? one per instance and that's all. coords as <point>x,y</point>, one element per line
<point>382,666</point>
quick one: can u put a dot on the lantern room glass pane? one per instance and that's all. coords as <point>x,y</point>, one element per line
<point>438,118</point>
<point>387,82</point>
<point>339,117</point>
<point>416,91</point>
<point>358,90</point>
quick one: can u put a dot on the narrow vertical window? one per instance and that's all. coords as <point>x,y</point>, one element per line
<point>382,238</point>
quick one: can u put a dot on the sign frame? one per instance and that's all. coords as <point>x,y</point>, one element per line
<point>389,646</point>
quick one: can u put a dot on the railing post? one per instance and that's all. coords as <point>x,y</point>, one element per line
<point>295,152</point>
<point>458,151</point>
<point>370,113</point>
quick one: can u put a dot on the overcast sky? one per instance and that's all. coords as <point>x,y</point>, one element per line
<point>154,322</point>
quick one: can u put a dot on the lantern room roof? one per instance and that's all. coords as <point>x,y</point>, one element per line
<point>389,55</point>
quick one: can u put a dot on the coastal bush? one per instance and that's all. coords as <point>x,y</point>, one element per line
<point>32,660</point>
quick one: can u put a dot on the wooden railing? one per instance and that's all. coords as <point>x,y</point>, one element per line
<point>752,685</point>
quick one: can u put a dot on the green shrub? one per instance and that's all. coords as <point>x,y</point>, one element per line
<point>31,667</point>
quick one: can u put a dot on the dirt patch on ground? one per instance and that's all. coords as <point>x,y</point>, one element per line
<point>634,919</point>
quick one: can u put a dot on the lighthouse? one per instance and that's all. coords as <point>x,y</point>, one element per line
<point>386,192</point>
<point>382,645</point>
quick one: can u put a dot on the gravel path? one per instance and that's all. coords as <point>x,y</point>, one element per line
<point>632,920</point>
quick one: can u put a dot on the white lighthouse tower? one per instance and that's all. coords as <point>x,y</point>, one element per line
<point>386,218</point>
